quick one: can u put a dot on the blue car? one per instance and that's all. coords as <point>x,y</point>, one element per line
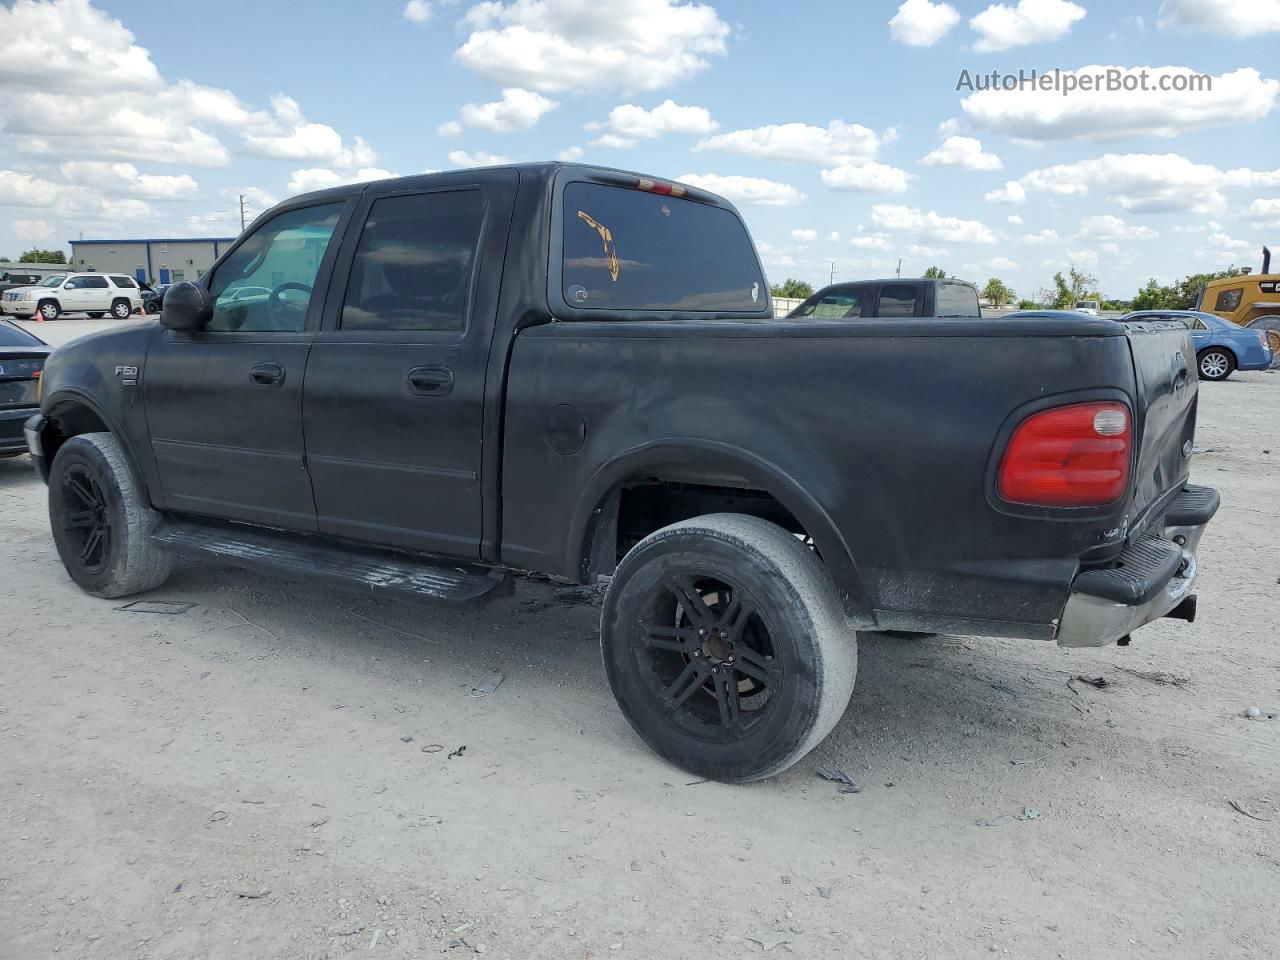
<point>1221,346</point>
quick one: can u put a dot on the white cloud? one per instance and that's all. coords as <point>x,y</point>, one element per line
<point>1108,227</point>
<point>1229,18</point>
<point>636,123</point>
<point>613,142</point>
<point>1011,192</point>
<point>1082,258</point>
<point>1240,96</point>
<point>1001,263</point>
<point>750,190</point>
<point>867,178</point>
<point>30,231</point>
<point>450,128</point>
<point>68,200</point>
<point>919,23</point>
<point>570,154</point>
<point>1031,21</point>
<point>417,11</point>
<point>833,236</point>
<point>871,242</point>
<point>517,110</point>
<point>948,127</point>
<point>1047,237</point>
<point>461,158</point>
<point>123,178</point>
<point>1015,219</point>
<point>836,144</point>
<point>964,152</point>
<point>572,45</point>
<point>921,252</point>
<point>321,178</point>
<point>804,236</point>
<point>1143,182</point>
<point>72,48</point>
<point>290,136</point>
<point>929,226</point>
<point>1220,246</point>
<point>1265,209</point>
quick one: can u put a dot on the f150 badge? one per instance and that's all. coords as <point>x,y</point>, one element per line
<point>130,373</point>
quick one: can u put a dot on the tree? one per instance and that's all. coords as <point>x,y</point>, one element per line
<point>997,293</point>
<point>1071,290</point>
<point>1027,305</point>
<point>936,273</point>
<point>36,255</point>
<point>1181,295</point>
<point>795,289</point>
<point>1154,297</point>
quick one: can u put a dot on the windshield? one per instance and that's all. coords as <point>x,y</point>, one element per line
<point>51,281</point>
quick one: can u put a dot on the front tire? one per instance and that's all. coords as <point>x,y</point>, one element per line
<point>49,310</point>
<point>1215,363</point>
<point>726,646</point>
<point>101,526</point>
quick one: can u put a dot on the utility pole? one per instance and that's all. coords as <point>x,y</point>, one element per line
<point>242,213</point>
<point>899,268</point>
<point>833,272</point>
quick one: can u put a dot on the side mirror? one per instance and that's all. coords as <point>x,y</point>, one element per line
<point>186,307</point>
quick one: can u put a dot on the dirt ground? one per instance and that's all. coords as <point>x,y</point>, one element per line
<point>278,773</point>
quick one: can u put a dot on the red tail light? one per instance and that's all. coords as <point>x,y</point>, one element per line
<point>1074,456</point>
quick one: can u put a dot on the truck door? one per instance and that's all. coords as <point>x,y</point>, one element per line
<point>393,407</point>
<point>224,404</point>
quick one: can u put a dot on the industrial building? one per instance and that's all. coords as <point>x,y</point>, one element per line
<point>163,260</point>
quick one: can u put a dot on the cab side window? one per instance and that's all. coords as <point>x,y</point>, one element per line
<point>1229,300</point>
<point>280,260</point>
<point>412,268</point>
<point>897,300</point>
<point>94,283</point>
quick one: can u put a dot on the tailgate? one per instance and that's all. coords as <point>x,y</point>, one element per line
<point>1166,389</point>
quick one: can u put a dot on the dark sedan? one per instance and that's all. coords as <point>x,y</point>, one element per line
<point>22,358</point>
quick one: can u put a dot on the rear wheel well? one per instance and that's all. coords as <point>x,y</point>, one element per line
<point>642,504</point>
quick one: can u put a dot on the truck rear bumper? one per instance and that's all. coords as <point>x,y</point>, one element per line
<point>1149,579</point>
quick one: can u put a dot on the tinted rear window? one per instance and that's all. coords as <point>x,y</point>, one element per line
<point>123,281</point>
<point>11,336</point>
<point>957,300</point>
<point>627,249</point>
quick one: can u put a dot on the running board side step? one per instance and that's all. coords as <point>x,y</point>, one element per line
<point>365,569</point>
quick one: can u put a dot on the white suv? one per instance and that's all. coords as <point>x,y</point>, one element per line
<point>93,293</point>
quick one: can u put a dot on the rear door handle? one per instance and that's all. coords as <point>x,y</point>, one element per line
<point>430,381</point>
<point>267,374</point>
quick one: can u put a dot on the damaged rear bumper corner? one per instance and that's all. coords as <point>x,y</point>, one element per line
<point>1152,578</point>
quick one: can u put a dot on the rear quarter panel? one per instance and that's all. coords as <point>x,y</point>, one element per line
<point>886,429</point>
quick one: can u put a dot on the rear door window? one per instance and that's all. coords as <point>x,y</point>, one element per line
<point>413,267</point>
<point>125,282</point>
<point>93,283</point>
<point>897,300</point>
<point>628,249</point>
<point>836,305</point>
<point>957,300</point>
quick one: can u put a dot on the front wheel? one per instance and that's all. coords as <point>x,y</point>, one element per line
<point>49,310</point>
<point>727,647</point>
<point>1216,364</point>
<point>101,526</point>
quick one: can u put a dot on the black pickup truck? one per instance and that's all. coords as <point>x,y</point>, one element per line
<point>420,386</point>
<point>900,297</point>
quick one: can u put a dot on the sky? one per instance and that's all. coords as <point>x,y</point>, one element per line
<point>852,134</point>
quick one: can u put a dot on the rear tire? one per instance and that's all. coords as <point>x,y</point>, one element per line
<point>120,309</point>
<point>1215,363</point>
<point>101,526</point>
<point>48,310</point>
<point>727,647</point>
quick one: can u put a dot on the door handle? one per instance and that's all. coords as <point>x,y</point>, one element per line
<point>267,374</point>
<point>430,381</point>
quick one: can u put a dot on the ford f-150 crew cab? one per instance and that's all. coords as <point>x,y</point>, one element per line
<point>420,386</point>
